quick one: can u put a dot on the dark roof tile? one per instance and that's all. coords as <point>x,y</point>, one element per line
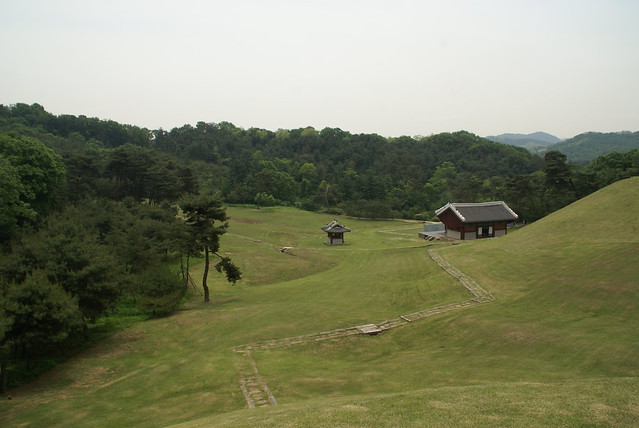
<point>335,227</point>
<point>480,212</point>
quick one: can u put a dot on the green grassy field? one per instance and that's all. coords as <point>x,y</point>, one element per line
<point>559,346</point>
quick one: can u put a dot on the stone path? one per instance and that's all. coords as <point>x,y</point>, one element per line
<point>481,295</point>
<point>254,388</point>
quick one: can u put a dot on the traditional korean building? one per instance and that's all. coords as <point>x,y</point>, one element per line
<point>335,233</point>
<point>476,220</point>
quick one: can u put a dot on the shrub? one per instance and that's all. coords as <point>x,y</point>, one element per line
<point>160,291</point>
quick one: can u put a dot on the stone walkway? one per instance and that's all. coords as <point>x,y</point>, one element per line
<point>254,388</point>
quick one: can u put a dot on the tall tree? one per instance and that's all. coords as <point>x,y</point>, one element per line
<point>440,187</point>
<point>13,208</point>
<point>559,187</point>
<point>38,168</point>
<point>143,173</point>
<point>207,221</point>
<point>524,194</point>
<point>558,175</point>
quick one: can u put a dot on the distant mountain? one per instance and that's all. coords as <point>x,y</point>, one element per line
<point>585,147</point>
<point>532,142</point>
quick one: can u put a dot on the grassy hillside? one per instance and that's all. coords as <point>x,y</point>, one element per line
<point>558,346</point>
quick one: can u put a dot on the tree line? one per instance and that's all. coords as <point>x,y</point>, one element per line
<point>85,232</point>
<point>363,175</point>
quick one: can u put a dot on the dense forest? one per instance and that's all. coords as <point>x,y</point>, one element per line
<point>359,174</point>
<point>97,216</point>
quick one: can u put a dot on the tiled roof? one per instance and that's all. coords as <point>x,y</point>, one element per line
<point>480,212</point>
<point>335,227</point>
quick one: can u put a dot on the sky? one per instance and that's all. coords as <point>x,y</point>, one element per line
<point>391,67</point>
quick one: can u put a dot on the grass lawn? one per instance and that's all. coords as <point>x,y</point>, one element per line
<point>575,403</point>
<point>558,346</point>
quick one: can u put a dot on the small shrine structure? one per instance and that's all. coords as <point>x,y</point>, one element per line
<point>335,232</point>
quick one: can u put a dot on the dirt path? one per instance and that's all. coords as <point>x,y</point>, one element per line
<point>255,389</point>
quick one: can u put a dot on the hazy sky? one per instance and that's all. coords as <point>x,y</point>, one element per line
<point>392,67</point>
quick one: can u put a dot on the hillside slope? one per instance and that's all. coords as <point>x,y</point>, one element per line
<point>558,347</point>
<point>532,142</point>
<point>585,147</point>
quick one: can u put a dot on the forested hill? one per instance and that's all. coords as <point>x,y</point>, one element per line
<point>363,175</point>
<point>532,142</point>
<point>308,167</point>
<point>294,163</point>
<point>583,148</point>
<point>330,149</point>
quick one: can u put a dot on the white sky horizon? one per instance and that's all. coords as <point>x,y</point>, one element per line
<point>401,67</point>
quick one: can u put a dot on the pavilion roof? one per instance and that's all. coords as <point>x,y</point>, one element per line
<point>335,227</point>
<point>480,212</point>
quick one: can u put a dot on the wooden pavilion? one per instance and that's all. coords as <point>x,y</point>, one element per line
<point>335,232</point>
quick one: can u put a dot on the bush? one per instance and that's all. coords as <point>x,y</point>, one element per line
<point>263,199</point>
<point>334,211</point>
<point>373,209</point>
<point>160,291</point>
<point>307,205</point>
